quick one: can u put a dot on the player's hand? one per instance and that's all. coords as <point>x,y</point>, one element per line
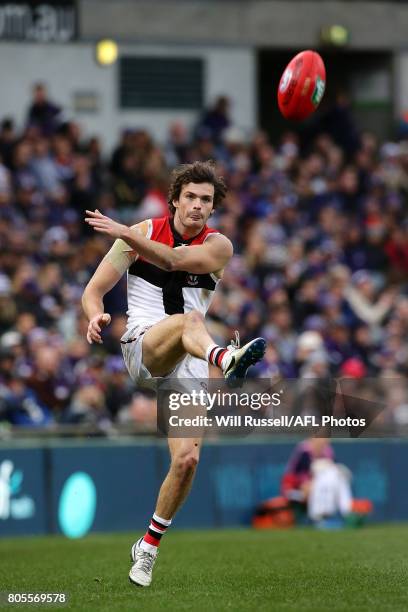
<point>105,225</point>
<point>95,327</point>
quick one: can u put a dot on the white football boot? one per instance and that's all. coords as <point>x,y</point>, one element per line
<point>142,568</point>
<point>240,359</point>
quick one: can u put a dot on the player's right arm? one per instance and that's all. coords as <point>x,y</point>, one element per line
<point>108,273</point>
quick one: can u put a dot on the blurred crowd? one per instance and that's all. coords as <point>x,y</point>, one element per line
<point>319,226</point>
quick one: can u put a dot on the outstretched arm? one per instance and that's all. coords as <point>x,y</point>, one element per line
<point>211,256</point>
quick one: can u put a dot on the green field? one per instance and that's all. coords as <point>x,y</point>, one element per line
<point>300,569</point>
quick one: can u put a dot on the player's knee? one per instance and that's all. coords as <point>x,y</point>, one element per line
<point>185,463</point>
<point>190,462</point>
<point>193,318</point>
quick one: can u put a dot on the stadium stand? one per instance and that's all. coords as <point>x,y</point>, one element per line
<point>320,267</point>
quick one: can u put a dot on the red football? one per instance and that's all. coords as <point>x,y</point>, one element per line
<point>302,86</point>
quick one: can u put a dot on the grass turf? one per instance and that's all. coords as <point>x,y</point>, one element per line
<point>302,570</point>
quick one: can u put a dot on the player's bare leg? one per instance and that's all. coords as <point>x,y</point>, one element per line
<point>174,490</point>
<point>167,342</point>
<point>164,345</point>
<point>184,454</point>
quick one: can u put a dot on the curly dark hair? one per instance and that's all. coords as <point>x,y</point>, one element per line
<point>197,172</point>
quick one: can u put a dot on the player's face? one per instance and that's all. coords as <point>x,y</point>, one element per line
<point>195,204</point>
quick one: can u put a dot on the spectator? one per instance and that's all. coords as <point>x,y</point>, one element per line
<point>177,147</point>
<point>87,407</point>
<point>42,113</point>
<point>48,380</point>
<point>215,120</point>
<point>296,481</point>
<point>360,296</point>
<point>8,139</point>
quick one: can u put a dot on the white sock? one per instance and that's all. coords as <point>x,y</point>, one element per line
<point>214,358</point>
<point>161,520</point>
<point>147,547</point>
<point>150,548</point>
<point>208,351</point>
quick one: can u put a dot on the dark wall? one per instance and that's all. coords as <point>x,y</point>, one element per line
<point>378,25</point>
<point>113,487</point>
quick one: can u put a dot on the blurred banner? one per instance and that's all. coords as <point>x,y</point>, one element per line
<point>36,21</point>
<point>105,486</point>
